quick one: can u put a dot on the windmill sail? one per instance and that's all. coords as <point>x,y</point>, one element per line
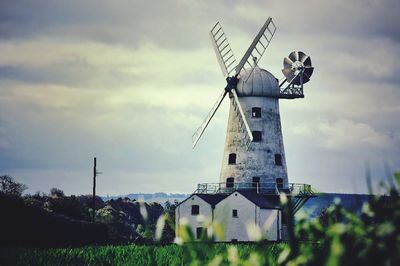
<point>199,132</point>
<point>258,46</point>
<point>223,51</point>
<point>243,125</point>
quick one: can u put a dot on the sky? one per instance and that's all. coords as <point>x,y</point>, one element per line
<point>130,81</point>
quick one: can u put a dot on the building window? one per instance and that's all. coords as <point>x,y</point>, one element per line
<point>278,159</point>
<point>256,112</point>
<point>199,232</point>
<point>230,181</point>
<point>257,136</point>
<point>234,213</point>
<point>256,182</point>
<point>195,209</point>
<point>232,158</point>
<point>279,182</point>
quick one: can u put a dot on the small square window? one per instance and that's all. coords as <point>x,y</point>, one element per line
<point>230,181</point>
<point>256,112</point>
<point>232,158</point>
<point>279,182</point>
<point>257,136</point>
<point>234,213</point>
<point>278,159</point>
<point>256,182</point>
<point>195,209</point>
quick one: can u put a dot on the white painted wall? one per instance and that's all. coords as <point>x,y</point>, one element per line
<point>184,210</point>
<point>235,228</point>
<point>259,159</point>
<point>269,222</point>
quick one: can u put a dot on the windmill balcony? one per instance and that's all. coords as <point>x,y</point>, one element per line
<point>294,189</point>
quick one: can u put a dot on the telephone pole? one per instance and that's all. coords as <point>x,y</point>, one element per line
<point>95,173</point>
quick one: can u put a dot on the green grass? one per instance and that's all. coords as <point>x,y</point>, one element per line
<point>189,254</point>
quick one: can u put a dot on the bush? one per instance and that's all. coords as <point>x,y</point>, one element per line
<point>344,238</point>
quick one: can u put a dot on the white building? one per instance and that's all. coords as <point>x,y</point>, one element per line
<point>263,163</point>
<point>235,211</point>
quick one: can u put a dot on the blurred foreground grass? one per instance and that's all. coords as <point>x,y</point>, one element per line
<point>197,254</point>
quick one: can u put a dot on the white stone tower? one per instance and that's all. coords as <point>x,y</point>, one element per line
<point>261,164</point>
<point>254,156</point>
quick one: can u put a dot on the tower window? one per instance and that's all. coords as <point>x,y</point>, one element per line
<point>230,181</point>
<point>195,209</point>
<point>279,182</point>
<point>256,112</point>
<point>256,182</point>
<point>232,158</point>
<point>234,213</point>
<point>257,136</point>
<point>278,159</point>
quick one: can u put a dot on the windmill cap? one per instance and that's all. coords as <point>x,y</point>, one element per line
<point>257,82</point>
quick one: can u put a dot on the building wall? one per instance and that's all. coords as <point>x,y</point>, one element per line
<point>269,222</point>
<point>184,211</point>
<point>259,159</point>
<point>235,228</point>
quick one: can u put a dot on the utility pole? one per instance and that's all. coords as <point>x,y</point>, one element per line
<point>95,173</point>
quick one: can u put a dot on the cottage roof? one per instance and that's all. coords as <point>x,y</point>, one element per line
<point>262,201</point>
<point>212,199</point>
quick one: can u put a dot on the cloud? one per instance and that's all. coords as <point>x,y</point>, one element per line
<point>344,134</point>
<point>129,82</point>
<point>126,22</point>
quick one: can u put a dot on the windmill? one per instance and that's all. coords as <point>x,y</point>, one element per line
<point>254,154</point>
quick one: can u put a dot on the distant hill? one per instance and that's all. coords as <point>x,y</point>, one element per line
<point>351,202</point>
<point>159,197</point>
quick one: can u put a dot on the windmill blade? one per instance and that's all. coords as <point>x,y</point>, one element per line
<point>258,46</point>
<point>308,72</point>
<point>288,73</point>
<point>199,132</point>
<point>306,61</point>
<point>301,56</point>
<point>287,62</point>
<point>293,56</point>
<point>222,49</point>
<point>248,136</point>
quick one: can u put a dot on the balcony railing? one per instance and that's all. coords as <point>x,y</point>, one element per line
<point>294,189</point>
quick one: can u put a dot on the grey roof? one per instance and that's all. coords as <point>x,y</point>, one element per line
<point>257,82</point>
<point>212,199</point>
<point>262,201</point>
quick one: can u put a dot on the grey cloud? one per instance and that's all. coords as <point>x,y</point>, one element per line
<point>366,19</point>
<point>127,22</point>
<point>171,23</point>
<point>70,73</point>
<point>142,140</point>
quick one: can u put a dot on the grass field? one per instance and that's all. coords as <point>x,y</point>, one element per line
<point>188,254</point>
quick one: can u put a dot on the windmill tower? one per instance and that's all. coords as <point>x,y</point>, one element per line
<point>254,156</point>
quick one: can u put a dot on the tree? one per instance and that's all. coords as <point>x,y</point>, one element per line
<point>56,193</point>
<point>169,228</point>
<point>9,186</point>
